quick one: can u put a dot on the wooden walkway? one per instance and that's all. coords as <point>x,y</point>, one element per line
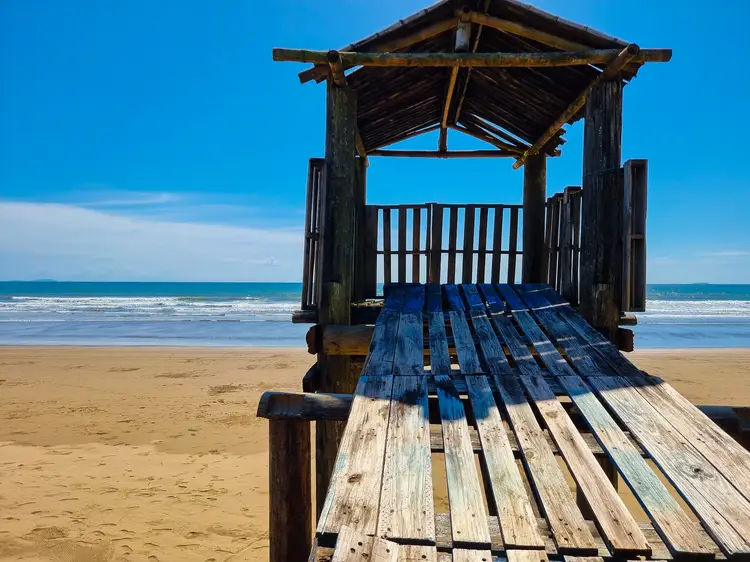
<point>516,348</point>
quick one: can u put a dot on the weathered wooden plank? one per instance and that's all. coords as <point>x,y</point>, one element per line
<point>583,559</point>
<point>406,504</point>
<point>526,556</point>
<point>553,206</point>
<point>468,514</point>
<point>440,360</point>
<point>383,345</point>
<point>387,261</point>
<point>513,248</point>
<point>463,555</point>
<point>724,453</point>
<point>467,267</point>
<point>513,506</point>
<point>353,546</point>
<point>416,243</point>
<point>371,251</point>
<point>497,244</point>
<point>468,360</point>
<point>472,296</point>
<point>618,528</point>
<point>417,553</point>
<point>670,521</point>
<point>452,235</point>
<point>555,497</point>
<point>453,297</point>
<point>409,359</point>
<point>414,296</point>
<point>354,492</point>
<point>545,349</point>
<point>482,251</point>
<point>724,513</point>
<point>436,239</point>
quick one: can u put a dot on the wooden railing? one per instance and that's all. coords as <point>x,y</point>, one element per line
<point>441,243</point>
<point>563,242</point>
<point>312,232</point>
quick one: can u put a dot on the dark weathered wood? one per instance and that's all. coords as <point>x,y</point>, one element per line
<point>337,267</point>
<point>601,237</point>
<point>359,288</point>
<point>610,72</point>
<point>635,193</point>
<point>482,249</point>
<point>497,244</point>
<point>554,240</point>
<point>444,154</point>
<point>371,252</point>
<point>452,235</point>
<point>568,288</point>
<point>416,244</point>
<point>534,194</point>
<point>468,514</point>
<point>498,60</point>
<point>467,267</point>
<point>402,245</point>
<point>307,280</point>
<point>409,346</point>
<point>576,219</point>
<point>406,504</point>
<point>436,241</point>
<point>290,490</point>
<point>513,248</point>
<point>512,504</point>
<point>336,66</point>
<point>354,494</point>
<point>354,546</point>
<point>449,91</point>
<point>387,261</point>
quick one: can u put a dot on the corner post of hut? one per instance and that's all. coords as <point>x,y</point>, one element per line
<point>601,241</point>
<point>534,198</point>
<point>336,279</point>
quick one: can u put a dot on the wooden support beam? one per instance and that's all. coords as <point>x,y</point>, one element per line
<point>337,68</point>
<point>534,198</point>
<point>487,138</point>
<point>290,490</point>
<point>497,60</point>
<point>447,154</point>
<point>613,68</point>
<point>336,271</point>
<point>463,33</point>
<point>528,32</point>
<point>319,73</point>
<point>411,135</point>
<point>467,75</point>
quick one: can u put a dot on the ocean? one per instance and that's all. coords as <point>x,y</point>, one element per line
<point>259,314</point>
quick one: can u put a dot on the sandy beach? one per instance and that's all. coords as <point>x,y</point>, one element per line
<point>114,454</point>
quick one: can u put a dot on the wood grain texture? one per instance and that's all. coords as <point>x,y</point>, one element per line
<point>434,301</point>
<point>618,528</point>
<point>409,357</point>
<point>526,556</point>
<point>354,493</point>
<point>383,345</point>
<point>453,297</point>
<point>468,514</point>
<point>452,235</point>
<point>513,506</point>
<point>415,553</point>
<point>406,503</point>
<point>513,245</point>
<point>670,521</point>
<point>468,360</point>
<point>436,241</point>
<point>354,546</point>
<point>497,244</point>
<point>463,555</point>
<point>482,245</point>
<point>723,512</point>
<point>387,261</point>
<point>440,361</point>
<point>402,245</point>
<point>467,266</point>
<point>565,520</point>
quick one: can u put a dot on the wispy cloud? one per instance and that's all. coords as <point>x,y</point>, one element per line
<point>131,199</point>
<point>726,254</point>
<point>48,240</point>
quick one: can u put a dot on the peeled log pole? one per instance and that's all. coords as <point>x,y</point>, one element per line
<point>534,198</point>
<point>613,68</point>
<point>508,60</point>
<point>290,490</point>
<point>446,154</point>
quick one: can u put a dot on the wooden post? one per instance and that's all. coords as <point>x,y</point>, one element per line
<point>360,257</point>
<point>337,267</point>
<point>534,195</point>
<point>290,492</point>
<point>601,235</point>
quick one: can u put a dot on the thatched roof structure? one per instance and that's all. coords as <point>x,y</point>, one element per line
<point>514,106</point>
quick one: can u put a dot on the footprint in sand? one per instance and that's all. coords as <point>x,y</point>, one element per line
<point>224,388</point>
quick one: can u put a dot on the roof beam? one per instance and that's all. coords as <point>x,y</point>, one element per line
<point>445,154</point>
<point>611,71</point>
<point>463,33</point>
<point>496,60</point>
<point>528,32</point>
<point>488,139</point>
<point>319,73</point>
<point>465,85</point>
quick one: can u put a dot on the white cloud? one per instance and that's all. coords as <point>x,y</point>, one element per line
<point>727,254</point>
<point>45,240</point>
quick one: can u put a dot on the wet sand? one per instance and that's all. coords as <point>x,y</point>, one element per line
<point>115,454</point>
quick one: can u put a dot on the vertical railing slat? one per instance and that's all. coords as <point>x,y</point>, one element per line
<point>513,247</point>
<point>482,255</point>
<point>468,246</point>
<point>386,246</point>
<point>452,235</point>
<point>416,227</point>
<point>436,241</point>
<point>402,244</point>
<point>497,243</point>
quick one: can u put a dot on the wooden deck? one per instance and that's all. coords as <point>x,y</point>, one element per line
<point>504,408</point>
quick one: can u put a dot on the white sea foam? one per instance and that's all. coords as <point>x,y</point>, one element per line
<point>696,309</point>
<point>140,308</point>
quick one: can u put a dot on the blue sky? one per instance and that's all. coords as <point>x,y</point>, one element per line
<point>148,140</point>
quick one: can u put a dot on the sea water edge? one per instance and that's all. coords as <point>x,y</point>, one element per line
<point>259,314</point>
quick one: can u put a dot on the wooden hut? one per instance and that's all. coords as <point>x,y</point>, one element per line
<point>507,74</point>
